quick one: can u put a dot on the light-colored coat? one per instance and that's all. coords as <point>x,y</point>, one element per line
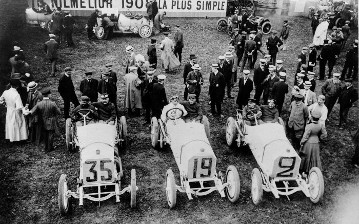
<point>320,33</point>
<point>310,98</point>
<point>169,59</point>
<point>133,92</point>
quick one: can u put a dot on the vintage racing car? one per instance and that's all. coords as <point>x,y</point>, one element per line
<point>100,168</point>
<point>278,161</point>
<point>195,159</point>
<point>72,139</point>
<point>126,23</point>
<point>39,18</point>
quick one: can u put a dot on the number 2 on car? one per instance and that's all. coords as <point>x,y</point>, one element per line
<point>98,170</point>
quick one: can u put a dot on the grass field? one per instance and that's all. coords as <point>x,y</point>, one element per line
<point>29,176</point>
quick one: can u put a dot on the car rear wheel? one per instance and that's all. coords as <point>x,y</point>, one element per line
<point>62,198</point>
<point>155,132</point>
<point>231,131</point>
<point>234,185</point>
<point>257,187</point>
<point>205,123</point>
<point>266,27</point>
<point>133,188</point>
<point>99,32</point>
<point>145,31</point>
<point>222,25</point>
<point>171,191</point>
<point>69,143</point>
<point>123,132</point>
<point>316,184</point>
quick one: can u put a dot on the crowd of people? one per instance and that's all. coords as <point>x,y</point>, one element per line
<point>32,115</point>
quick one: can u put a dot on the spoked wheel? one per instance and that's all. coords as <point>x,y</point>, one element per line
<point>133,188</point>
<point>145,31</point>
<point>118,162</point>
<point>69,136</point>
<point>171,191</point>
<point>99,32</point>
<point>222,25</point>
<point>316,184</point>
<point>234,185</point>
<point>48,26</point>
<point>123,132</point>
<point>339,22</point>
<point>257,187</point>
<point>155,132</point>
<point>205,122</point>
<point>62,198</point>
<point>231,131</point>
<point>266,27</point>
<point>161,140</point>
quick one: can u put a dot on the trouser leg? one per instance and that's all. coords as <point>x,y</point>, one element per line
<point>213,109</point>
<point>37,128</point>
<point>219,107</point>
<point>66,108</point>
<point>258,93</point>
<point>229,87</point>
<point>244,62</point>
<point>322,64</point>
<point>329,103</point>
<point>185,94</point>
<point>53,67</point>
<point>148,114</point>
<point>343,115</point>
<point>344,72</point>
<point>331,64</point>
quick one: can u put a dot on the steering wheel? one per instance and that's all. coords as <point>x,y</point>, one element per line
<point>173,115</point>
<point>84,114</point>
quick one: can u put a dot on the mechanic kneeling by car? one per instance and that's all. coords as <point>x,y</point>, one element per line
<point>270,112</point>
<point>88,108</point>
<point>194,110</point>
<point>106,110</point>
<point>252,113</point>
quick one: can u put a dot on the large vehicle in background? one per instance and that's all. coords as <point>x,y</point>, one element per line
<point>39,18</point>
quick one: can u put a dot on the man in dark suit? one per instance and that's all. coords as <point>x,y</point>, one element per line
<point>351,63</point>
<point>47,111</point>
<point>111,74</point>
<point>226,70</point>
<point>260,73</point>
<point>106,85</point>
<point>57,24</point>
<point>217,86</point>
<point>147,94</point>
<point>279,67</point>
<point>158,98</point>
<point>34,96</point>
<point>178,41</point>
<point>131,61</point>
<point>51,47</point>
<point>325,55</point>
<point>244,89</point>
<point>249,49</point>
<point>187,69</point>
<point>67,91</point>
<point>312,58</point>
<point>240,47</point>
<point>279,90</point>
<point>302,59</point>
<point>268,84</point>
<point>315,22</point>
<point>152,54</point>
<point>88,87</point>
<point>348,96</point>
<point>273,43</point>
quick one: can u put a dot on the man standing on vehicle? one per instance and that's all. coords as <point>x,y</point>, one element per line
<point>178,43</point>
<point>217,86</point>
<point>91,23</point>
<point>51,47</point>
<point>273,43</point>
<point>106,110</point>
<point>159,98</point>
<point>67,91</point>
<point>88,87</point>
<point>187,69</point>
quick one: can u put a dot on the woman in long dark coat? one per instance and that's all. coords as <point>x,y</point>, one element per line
<point>310,150</point>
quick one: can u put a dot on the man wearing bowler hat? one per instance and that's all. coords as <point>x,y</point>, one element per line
<point>48,113</point>
<point>273,43</point>
<point>88,86</point>
<point>51,47</point>
<point>152,54</point>
<point>34,125</point>
<point>217,85</point>
<point>67,91</point>
<point>187,69</point>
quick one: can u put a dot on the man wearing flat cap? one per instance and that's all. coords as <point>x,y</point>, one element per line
<point>106,110</point>
<point>273,43</point>
<point>47,112</point>
<point>351,63</point>
<point>67,91</point>
<point>34,126</point>
<point>188,67</point>
<point>348,96</point>
<point>152,54</point>
<point>284,34</point>
<point>178,43</point>
<point>51,47</point>
<point>88,86</point>
<point>279,90</point>
<point>217,85</point>
<point>82,109</point>
<point>245,87</point>
<point>194,81</point>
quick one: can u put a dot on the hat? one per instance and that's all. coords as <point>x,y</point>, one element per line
<point>336,74</point>
<point>191,95</point>
<point>316,114</point>
<point>251,99</point>
<point>153,41</point>
<point>271,67</point>
<point>214,65</point>
<point>326,41</point>
<point>274,32</point>
<point>27,74</point>
<point>131,68</point>
<point>347,22</point>
<point>253,32</point>
<point>356,42</point>
<point>311,45</point>
<point>334,28</point>
<point>235,29</point>
<point>285,21</point>
<point>109,65</point>
<point>300,75</point>
<point>279,62</point>
<point>316,14</point>
<point>196,66</point>
<point>46,91</point>
<point>51,35</point>
<point>267,56</point>
<point>32,85</point>
<point>15,76</point>
<point>166,33</point>
<point>228,55</point>
<point>246,71</point>
<point>16,48</point>
<point>262,60</point>
<point>192,56</point>
<point>348,80</point>
<point>298,96</point>
<point>177,25</point>
<point>140,58</point>
<point>221,57</point>
<point>129,48</point>
<point>88,73</point>
<point>305,48</point>
<point>67,69</point>
<point>85,99</point>
<point>244,32</point>
<point>307,83</point>
<point>282,74</point>
<point>252,36</point>
<point>231,47</point>
<point>339,28</point>
<point>161,77</point>
<point>104,95</point>
<point>311,73</point>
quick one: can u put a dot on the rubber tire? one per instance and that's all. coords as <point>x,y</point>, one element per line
<point>68,135</point>
<point>142,33</point>
<point>224,25</point>
<point>155,132</point>
<point>339,22</point>
<point>231,127</point>
<point>133,188</point>
<point>171,185</point>
<point>256,175</point>
<point>237,184</point>
<point>206,125</point>
<point>48,26</point>
<point>321,184</point>
<point>265,24</point>
<point>99,32</point>
<point>60,195</point>
<point>123,133</point>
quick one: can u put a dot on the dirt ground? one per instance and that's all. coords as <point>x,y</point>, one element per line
<point>29,176</point>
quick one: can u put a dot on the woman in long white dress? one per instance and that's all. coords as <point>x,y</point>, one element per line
<point>15,128</point>
<point>321,33</point>
<point>168,58</point>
